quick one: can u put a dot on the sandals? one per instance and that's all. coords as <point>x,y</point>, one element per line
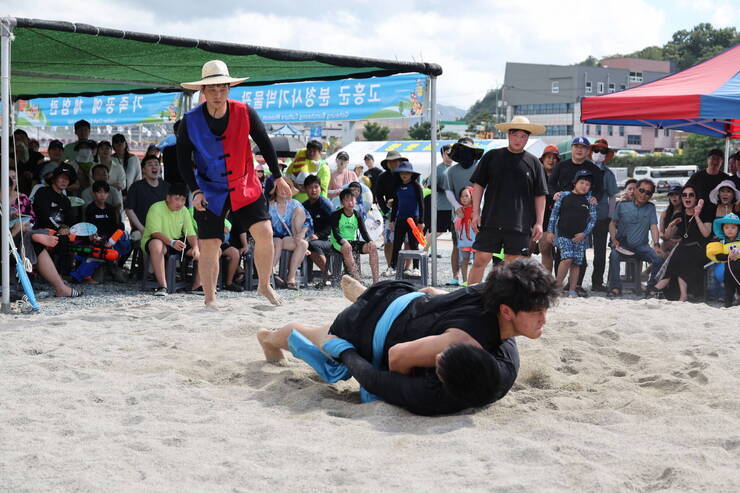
<point>279,282</point>
<point>292,286</point>
<point>73,293</point>
<point>614,293</point>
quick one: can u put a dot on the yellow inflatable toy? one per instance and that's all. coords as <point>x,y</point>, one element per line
<point>716,249</point>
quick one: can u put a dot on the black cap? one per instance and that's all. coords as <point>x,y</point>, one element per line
<point>582,173</point>
<point>65,169</point>
<point>56,144</point>
<point>370,157</point>
<point>675,189</point>
<point>343,155</point>
<point>716,152</point>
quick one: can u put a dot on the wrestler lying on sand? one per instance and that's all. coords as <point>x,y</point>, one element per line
<point>442,352</point>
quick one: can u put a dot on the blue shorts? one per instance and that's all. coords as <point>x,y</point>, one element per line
<point>387,233</point>
<point>570,250</point>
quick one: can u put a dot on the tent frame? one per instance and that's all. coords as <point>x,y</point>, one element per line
<point>7,24</point>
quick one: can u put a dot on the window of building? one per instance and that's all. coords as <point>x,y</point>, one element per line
<point>656,133</point>
<point>588,129</point>
<point>600,88</point>
<point>635,76</point>
<point>622,87</point>
<point>621,131</point>
<point>588,87</point>
<point>667,132</point>
<point>598,129</point>
<point>634,140</point>
<point>555,88</point>
<point>612,87</point>
<point>543,109</point>
<point>610,130</point>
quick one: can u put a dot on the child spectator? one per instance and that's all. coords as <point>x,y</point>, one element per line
<point>99,172</point>
<point>50,204</point>
<point>464,231</point>
<point>145,192</point>
<point>166,222</point>
<point>116,173</point>
<point>726,229</point>
<point>345,224</point>
<point>572,219</point>
<point>320,208</point>
<point>408,202</point>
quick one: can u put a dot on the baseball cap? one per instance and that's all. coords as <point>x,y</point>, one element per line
<point>582,173</point>
<point>674,189</point>
<point>580,141</point>
<point>343,155</point>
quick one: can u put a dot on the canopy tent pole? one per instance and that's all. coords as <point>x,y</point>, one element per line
<point>727,149</point>
<point>6,27</point>
<point>433,139</point>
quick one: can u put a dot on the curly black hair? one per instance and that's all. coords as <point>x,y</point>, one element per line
<point>523,285</point>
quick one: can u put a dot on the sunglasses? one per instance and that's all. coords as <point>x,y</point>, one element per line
<point>598,151</point>
<point>688,195</point>
<point>649,193</point>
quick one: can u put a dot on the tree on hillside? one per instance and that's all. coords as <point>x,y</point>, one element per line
<point>374,132</point>
<point>591,61</point>
<point>703,41</point>
<point>487,105</point>
<point>423,131</point>
<point>698,146</point>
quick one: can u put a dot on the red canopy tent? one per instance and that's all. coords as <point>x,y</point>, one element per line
<point>703,99</point>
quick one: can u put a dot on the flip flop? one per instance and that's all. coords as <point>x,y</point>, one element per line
<point>292,286</point>
<point>73,293</point>
<point>279,283</point>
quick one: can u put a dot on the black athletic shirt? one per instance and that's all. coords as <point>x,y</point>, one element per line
<point>52,209</point>
<point>107,219</point>
<point>575,212</point>
<point>704,183</point>
<point>257,132</point>
<point>561,179</point>
<point>512,181</point>
<point>383,189</point>
<point>423,393</point>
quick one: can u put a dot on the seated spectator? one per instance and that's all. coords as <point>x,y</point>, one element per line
<point>704,181</point>
<point>725,199</point>
<point>51,205</point>
<point>686,262</point>
<point>572,219</point>
<point>628,229</point>
<point>309,161</point>
<point>232,255</point>
<point>82,163</point>
<point>628,194</point>
<point>82,131</point>
<point>727,252</point>
<point>34,243</point>
<point>47,170</point>
<point>29,161</point>
<point>99,172</point>
<point>358,169</point>
<point>320,208</point>
<point>127,161</point>
<point>145,192</point>
<point>341,176</point>
<point>116,173</point>
<point>346,223</point>
<point>168,222</point>
<point>289,231</point>
<point>672,215</point>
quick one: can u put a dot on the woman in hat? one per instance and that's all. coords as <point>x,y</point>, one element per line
<point>214,155</point>
<point>549,158</point>
<point>408,202</point>
<point>341,176</point>
<point>727,251</point>
<point>726,198</point>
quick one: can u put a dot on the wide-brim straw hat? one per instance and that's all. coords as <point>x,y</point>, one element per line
<point>602,144</point>
<point>714,194</point>
<point>391,156</point>
<point>213,72</point>
<point>521,123</point>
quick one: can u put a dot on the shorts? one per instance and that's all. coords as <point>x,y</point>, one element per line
<point>387,233</point>
<point>211,226</point>
<point>357,246</point>
<point>568,249</point>
<point>168,249</point>
<point>491,240</point>
<point>322,247</point>
<point>444,222</point>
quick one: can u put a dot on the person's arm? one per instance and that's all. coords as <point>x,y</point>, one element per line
<point>452,200</point>
<point>259,136</point>
<point>592,212</point>
<point>661,222</point>
<point>380,195</point>
<point>552,226</point>
<point>420,201</point>
<point>324,175</point>
<point>477,198</point>
<point>552,183</point>
<point>185,163</point>
<point>394,205</point>
<point>405,356</point>
<point>361,227</point>
<point>539,210</point>
<point>334,223</point>
<point>134,220</point>
<point>613,233</point>
<point>245,243</point>
<point>656,237</point>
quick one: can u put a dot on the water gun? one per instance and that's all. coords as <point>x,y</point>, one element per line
<point>417,234</point>
<point>114,238</point>
<point>101,252</point>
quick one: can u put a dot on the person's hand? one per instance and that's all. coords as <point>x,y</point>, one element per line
<point>244,249</point>
<point>556,197</point>
<point>459,212</point>
<point>281,186</point>
<point>536,232</point>
<point>390,202</point>
<point>734,254</point>
<point>593,201</point>
<point>615,243</point>
<point>313,238</point>
<point>199,201</point>
<point>579,238</point>
<point>698,207</point>
<point>195,253</point>
<point>179,245</point>
<point>657,248</point>
<point>475,219</point>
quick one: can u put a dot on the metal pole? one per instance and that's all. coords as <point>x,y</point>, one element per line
<point>433,99</point>
<point>727,151</point>
<point>6,24</point>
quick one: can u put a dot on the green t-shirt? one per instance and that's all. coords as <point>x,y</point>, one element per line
<point>348,227</point>
<point>173,224</point>
<point>324,174</point>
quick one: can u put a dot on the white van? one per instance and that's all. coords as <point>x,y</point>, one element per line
<point>665,177</point>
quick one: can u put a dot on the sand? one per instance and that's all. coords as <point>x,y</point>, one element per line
<point>160,395</point>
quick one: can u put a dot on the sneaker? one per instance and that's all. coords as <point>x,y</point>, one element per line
<point>464,284</point>
<point>571,294</point>
<point>160,291</point>
<point>452,282</point>
<point>582,293</point>
<point>389,272</point>
<point>408,273</point>
<point>415,273</point>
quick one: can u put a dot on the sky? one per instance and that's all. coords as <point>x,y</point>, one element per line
<point>471,40</point>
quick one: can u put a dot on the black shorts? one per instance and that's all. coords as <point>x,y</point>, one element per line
<point>444,222</point>
<point>356,245</point>
<point>211,226</point>
<point>490,240</point>
<point>322,247</point>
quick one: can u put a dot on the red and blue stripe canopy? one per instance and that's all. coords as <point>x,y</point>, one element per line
<point>703,99</point>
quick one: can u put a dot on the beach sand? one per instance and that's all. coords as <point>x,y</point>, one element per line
<point>158,394</point>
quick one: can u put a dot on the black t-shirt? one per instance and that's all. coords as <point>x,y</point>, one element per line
<point>320,211</point>
<point>217,126</point>
<point>574,215</point>
<point>142,195</point>
<point>384,188</point>
<point>52,209</point>
<point>373,174</point>
<point>512,181</point>
<point>561,179</point>
<point>704,183</point>
<point>169,162</point>
<point>107,219</point>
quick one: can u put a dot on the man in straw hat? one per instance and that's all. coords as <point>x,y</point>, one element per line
<point>213,140</point>
<point>515,188</point>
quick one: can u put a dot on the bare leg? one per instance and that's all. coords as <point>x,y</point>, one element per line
<point>210,253</point>
<point>232,254</point>
<point>262,234</point>
<point>46,268</point>
<point>349,261</point>
<point>352,288</point>
<point>563,269</point>
<point>684,290</point>
<point>156,257</point>
<point>299,248</point>
<point>319,260</point>
<point>372,251</point>
<point>274,341</point>
<point>479,267</point>
<point>277,250</point>
<point>388,251</point>
<point>455,263</point>
<point>546,252</point>
<point>575,269</point>
<point>464,266</point>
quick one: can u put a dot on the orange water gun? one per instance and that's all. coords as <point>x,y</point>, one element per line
<point>102,253</point>
<point>417,234</point>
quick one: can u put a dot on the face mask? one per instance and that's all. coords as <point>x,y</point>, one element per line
<point>598,158</point>
<point>84,156</point>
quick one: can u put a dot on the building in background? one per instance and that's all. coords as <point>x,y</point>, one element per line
<point>551,95</point>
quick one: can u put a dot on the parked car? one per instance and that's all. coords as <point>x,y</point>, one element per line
<point>625,153</point>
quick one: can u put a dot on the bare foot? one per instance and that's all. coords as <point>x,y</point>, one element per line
<point>351,288</point>
<point>271,295</point>
<point>272,354</point>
